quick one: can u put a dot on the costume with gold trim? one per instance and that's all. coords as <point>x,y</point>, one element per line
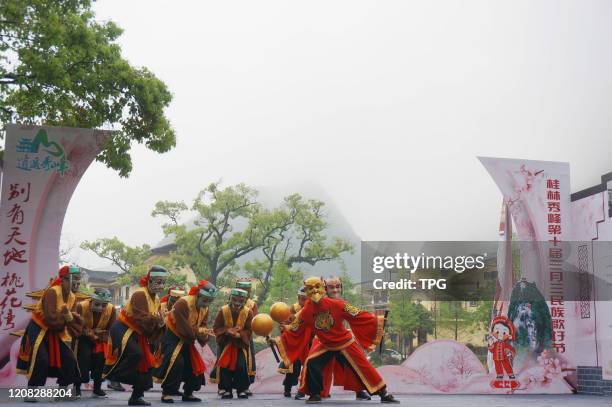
<point>325,319</point>
<point>185,324</point>
<point>233,368</point>
<point>90,347</point>
<point>46,345</point>
<point>129,358</point>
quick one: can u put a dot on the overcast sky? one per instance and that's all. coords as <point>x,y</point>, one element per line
<point>383,105</point>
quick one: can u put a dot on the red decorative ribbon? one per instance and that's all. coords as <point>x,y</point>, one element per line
<point>148,359</point>
<point>55,359</point>
<point>99,347</point>
<point>229,357</point>
<point>197,364</point>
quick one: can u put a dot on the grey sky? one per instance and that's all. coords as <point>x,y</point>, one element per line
<point>384,105</point>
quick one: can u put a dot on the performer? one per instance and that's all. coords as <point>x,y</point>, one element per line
<point>185,323</point>
<point>333,372</point>
<point>167,301</point>
<point>98,315</point>
<point>246,284</point>
<point>325,317</point>
<point>292,375</point>
<point>232,328</point>
<point>129,358</point>
<point>46,346</point>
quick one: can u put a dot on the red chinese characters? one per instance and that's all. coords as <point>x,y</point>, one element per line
<point>14,253</point>
<point>555,259</point>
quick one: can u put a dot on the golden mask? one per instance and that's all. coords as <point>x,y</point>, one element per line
<point>315,288</point>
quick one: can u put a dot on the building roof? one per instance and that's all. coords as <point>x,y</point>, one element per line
<point>100,276</point>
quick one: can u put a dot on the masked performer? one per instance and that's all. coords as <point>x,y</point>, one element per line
<point>325,317</point>
<point>129,358</point>
<point>246,285</point>
<point>232,328</point>
<point>292,375</point>
<point>98,315</point>
<point>167,301</point>
<point>46,346</point>
<point>333,372</point>
<point>185,323</point>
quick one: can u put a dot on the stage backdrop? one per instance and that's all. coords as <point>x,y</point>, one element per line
<point>42,167</point>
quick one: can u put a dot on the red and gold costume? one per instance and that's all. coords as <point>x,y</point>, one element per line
<point>182,362</point>
<point>234,364</point>
<point>46,346</point>
<point>90,347</point>
<point>325,319</point>
<point>129,358</point>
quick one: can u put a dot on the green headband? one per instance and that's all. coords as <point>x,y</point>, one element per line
<point>74,270</point>
<point>244,284</point>
<point>102,296</point>
<point>237,292</point>
<point>158,274</point>
<point>209,293</point>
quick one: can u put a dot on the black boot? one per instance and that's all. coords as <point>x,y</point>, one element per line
<point>287,392</point>
<point>387,398</point>
<point>136,398</point>
<point>190,397</point>
<point>97,390</point>
<point>115,386</point>
<point>77,391</point>
<point>362,395</point>
<point>166,398</point>
<point>314,398</point>
<point>299,395</point>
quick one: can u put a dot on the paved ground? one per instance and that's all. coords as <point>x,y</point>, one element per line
<point>276,400</point>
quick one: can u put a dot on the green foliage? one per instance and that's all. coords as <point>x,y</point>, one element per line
<point>349,291</point>
<point>284,285</point>
<point>295,235</point>
<point>133,260</point>
<point>120,254</point>
<point>214,243</point>
<point>133,276</point>
<point>59,66</point>
<point>407,317</point>
<point>229,223</point>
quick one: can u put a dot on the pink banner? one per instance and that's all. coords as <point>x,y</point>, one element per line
<point>42,167</point>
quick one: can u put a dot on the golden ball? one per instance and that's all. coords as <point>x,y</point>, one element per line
<point>279,311</point>
<point>262,324</point>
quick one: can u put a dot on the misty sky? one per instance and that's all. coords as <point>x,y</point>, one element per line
<point>382,105</point>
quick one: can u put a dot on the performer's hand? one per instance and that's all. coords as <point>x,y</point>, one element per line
<point>65,309</point>
<point>271,341</point>
<point>282,327</point>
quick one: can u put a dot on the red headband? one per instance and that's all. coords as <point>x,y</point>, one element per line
<point>144,280</point>
<point>63,272</point>
<point>194,290</point>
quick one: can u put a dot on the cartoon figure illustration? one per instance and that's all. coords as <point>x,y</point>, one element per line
<point>502,332</point>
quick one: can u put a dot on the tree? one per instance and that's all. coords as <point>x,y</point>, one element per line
<point>133,261</point>
<point>118,253</point>
<point>408,318</point>
<point>225,228</point>
<point>58,66</point>
<point>297,237</point>
<point>133,276</point>
<point>284,285</point>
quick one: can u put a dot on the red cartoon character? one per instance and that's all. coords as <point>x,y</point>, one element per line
<point>502,332</point>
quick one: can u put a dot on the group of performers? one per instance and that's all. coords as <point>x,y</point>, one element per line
<point>153,339</point>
